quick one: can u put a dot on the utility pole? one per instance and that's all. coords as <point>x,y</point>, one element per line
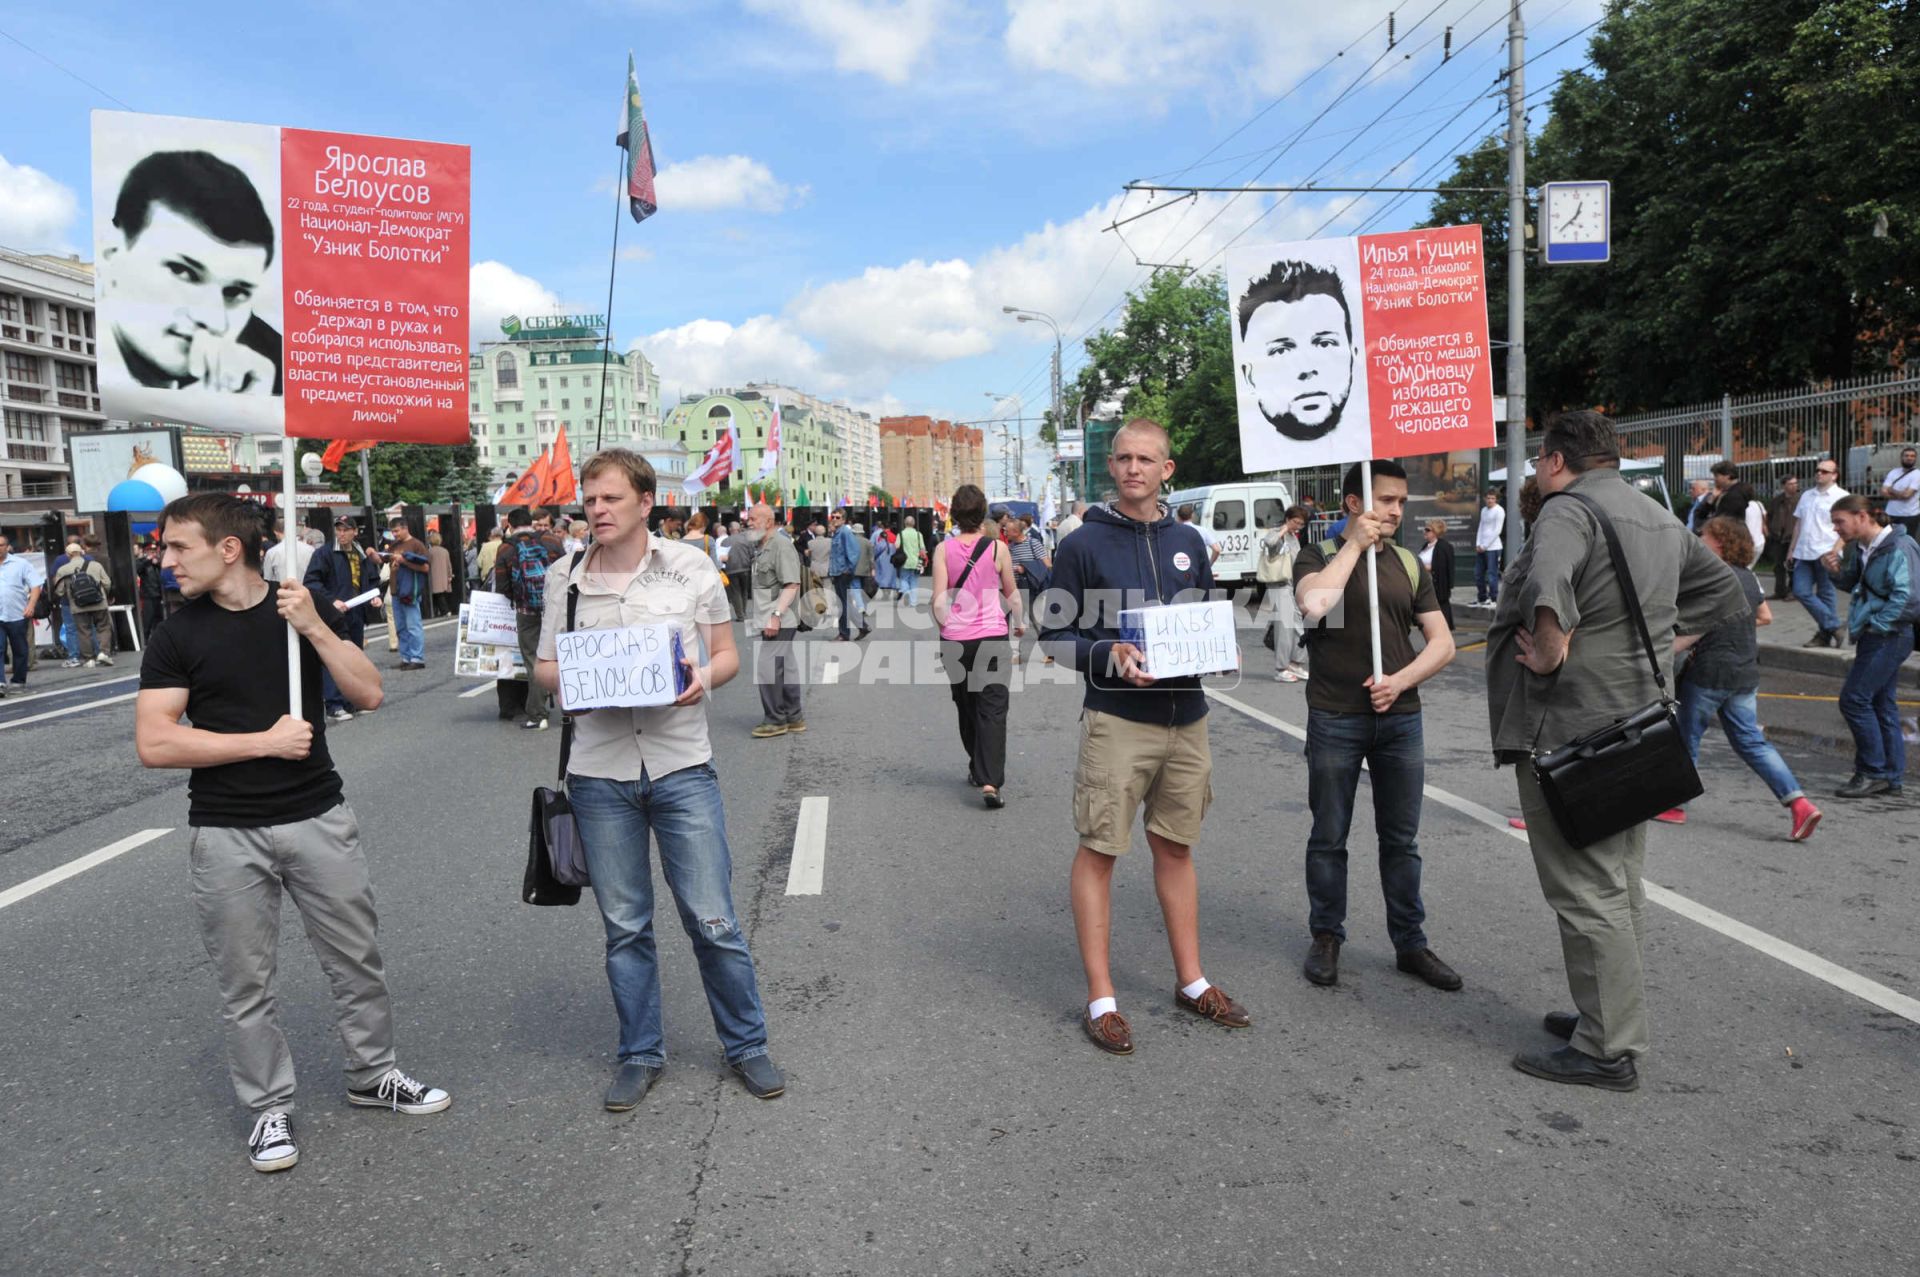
<point>366,482</point>
<point>1516,273</point>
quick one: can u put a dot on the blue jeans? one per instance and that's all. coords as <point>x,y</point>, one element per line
<point>1392,747</point>
<point>1867,702</point>
<point>14,638</point>
<point>69,633</point>
<point>1814,588</point>
<point>1486,576</point>
<point>1738,715</point>
<point>909,582</point>
<point>684,813</point>
<point>407,628</point>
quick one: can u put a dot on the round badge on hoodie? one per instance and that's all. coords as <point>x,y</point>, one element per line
<point>1182,560</point>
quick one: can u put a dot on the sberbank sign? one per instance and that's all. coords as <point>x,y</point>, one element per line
<point>546,327</point>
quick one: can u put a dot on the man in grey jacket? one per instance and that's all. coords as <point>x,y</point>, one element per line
<point>1564,658</point>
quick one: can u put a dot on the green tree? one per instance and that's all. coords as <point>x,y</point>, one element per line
<point>412,473</point>
<point>1755,147</point>
<point>1171,359</point>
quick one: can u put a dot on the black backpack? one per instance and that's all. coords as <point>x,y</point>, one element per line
<point>83,591</point>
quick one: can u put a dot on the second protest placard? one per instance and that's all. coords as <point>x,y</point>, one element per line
<point>1368,346</point>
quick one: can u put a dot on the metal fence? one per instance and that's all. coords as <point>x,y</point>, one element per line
<point>1863,422</point>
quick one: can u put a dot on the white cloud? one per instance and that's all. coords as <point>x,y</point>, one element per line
<point>1158,46</point>
<point>708,353</point>
<point>636,253</point>
<point>853,336</point>
<point>495,290</point>
<point>724,181</point>
<point>882,38</point>
<point>35,210</point>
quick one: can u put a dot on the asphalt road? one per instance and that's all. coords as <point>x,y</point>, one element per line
<point>944,1114</point>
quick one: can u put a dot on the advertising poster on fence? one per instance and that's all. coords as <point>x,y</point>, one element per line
<point>275,280</point>
<point>1368,346</point>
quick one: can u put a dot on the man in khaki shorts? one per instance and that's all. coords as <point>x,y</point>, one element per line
<point>1142,741</point>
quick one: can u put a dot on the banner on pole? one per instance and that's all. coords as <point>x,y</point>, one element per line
<point>273,280</point>
<point>1363,347</point>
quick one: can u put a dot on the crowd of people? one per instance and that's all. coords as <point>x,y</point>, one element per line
<point>1563,657</point>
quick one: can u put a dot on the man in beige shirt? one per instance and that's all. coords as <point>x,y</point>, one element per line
<point>635,771</point>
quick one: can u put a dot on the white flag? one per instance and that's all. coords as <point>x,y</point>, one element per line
<point>770,458</point>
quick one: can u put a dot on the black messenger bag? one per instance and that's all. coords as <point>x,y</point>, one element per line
<point>1632,769</point>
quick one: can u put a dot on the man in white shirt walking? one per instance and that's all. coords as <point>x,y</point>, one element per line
<point>1488,547</point>
<point>1813,537</point>
<point>1902,492</point>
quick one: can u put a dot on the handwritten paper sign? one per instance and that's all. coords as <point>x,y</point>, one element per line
<point>637,665</point>
<point>490,620</point>
<point>1180,639</point>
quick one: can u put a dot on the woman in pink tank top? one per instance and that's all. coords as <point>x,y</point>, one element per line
<point>977,603</point>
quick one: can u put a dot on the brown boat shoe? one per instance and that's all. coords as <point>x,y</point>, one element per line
<point>1111,1032</point>
<point>1214,1004</point>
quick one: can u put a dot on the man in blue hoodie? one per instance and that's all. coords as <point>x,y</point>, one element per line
<point>1142,741</point>
<point>1879,570</point>
<point>842,565</point>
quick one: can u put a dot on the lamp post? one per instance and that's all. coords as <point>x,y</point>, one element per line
<point>1039,316</point>
<point>1016,475</point>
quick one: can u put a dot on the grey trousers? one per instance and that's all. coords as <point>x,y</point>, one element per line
<point>529,631</point>
<point>93,629</point>
<point>778,671</point>
<point>1289,628</point>
<point>1596,893</point>
<point>238,875</point>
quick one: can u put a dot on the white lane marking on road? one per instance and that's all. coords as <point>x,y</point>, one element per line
<point>84,686</point>
<point>807,871</point>
<point>33,886</point>
<point>71,709</point>
<point>484,687</point>
<point>830,671</point>
<point>1793,955</point>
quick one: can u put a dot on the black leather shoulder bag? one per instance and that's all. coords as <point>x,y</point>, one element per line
<point>556,859</point>
<point>1635,767</point>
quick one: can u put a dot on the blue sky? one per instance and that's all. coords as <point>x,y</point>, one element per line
<point>851,189</point>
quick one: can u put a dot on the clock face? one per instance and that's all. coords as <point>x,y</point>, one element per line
<point>1577,214</point>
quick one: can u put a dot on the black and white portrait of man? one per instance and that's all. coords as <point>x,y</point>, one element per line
<point>188,250</point>
<point>1299,357</point>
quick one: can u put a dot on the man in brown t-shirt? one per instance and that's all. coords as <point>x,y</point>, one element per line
<point>1354,719</point>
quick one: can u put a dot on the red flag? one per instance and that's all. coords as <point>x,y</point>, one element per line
<point>560,487</point>
<point>337,451</point>
<point>717,465</point>
<point>527,488</point>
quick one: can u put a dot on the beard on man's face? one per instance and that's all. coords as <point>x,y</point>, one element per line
<point>1304,432</point>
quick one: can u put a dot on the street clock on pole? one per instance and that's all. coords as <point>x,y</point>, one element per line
<point>1576,221</point>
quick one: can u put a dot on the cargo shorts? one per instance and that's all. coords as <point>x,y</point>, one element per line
<point>1124,764</point>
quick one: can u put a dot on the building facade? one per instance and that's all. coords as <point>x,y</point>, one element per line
<point>545,375</point>
<point>924,460</point>
<point>48,383</point>
<point>811,473</point>
<point>858,432</point>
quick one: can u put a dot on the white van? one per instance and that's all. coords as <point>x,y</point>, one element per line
<point>1234,517</point>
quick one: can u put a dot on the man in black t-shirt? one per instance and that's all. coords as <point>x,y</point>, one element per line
<point>266,809</point>
<point>1354,718</point>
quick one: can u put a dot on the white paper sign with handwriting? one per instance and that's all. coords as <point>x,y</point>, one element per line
<point>637,665</point>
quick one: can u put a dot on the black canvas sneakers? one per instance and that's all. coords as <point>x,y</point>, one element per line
<point>270,1148</point>
<point>396,1091</point>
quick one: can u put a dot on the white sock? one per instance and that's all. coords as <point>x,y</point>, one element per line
<point>1197,988</point>
<point>1099,1007</point>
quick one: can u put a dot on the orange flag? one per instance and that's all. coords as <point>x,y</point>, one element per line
<point>337,451</point>
<point>560,487</point>
<point>527,488</point>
